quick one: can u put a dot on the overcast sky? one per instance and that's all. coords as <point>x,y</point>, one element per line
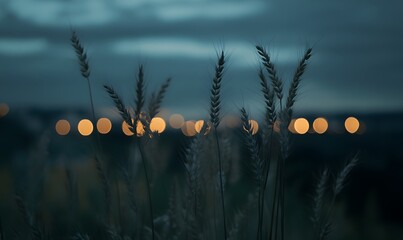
<point>357,63</point>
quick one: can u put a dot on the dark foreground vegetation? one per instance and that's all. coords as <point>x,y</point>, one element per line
<point>219,184</point>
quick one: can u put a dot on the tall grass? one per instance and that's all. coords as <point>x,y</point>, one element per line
<point>202,190</point>
<point>85,72</point>
<point>215,107</point>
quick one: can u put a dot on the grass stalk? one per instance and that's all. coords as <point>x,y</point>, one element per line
<point>143,159</point>
<point>215,106</point>
<point>85,72</point>
<point>221,182</point>
<point>266,178</point>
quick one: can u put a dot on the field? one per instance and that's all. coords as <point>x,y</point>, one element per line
<point>219,182</point>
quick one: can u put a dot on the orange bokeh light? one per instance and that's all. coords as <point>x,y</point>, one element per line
<point>301,125</point>
<point>291,127</point>
<point>320,125</point>
<point>188,129</point>
<point>85,127</point>
<point>254,126</point>
<point>352,124</point>
<point>199,126</point>
<point>157,124</point>
<point>128,131</point>
<point>176,121</point>
<point>104,125</point>
<point>62,127</point>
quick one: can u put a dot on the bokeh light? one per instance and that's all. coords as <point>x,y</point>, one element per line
<point>291,127</point>
<point>140,129</point>
<point>176,121</point>
<point>104,125</point>
<point>199,126</point>
<point>62,127</point>
<point>157,124</point>
<point>301,125</point>
<point>188,129</point>
<point>126,129</point>
<point>320,125</point>
<point>254,126</point>
<point>352,124</point>
<point>4,109</point>
<point>85,127</point>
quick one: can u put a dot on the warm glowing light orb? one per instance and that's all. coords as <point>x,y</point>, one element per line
<point>157,124</point>
<point>199,126</point>
<point>301,125</point>
<point>291,127</point>
<point>320,125</point>
<point>85,127</point>
<point>126,129</point>
<point>140,129</point>
<point>62,127</point>
<point>188,129</point>
<point>254,126</point>
<point>4,109</point>
<point>104,125</point>
<point>176,121</point>
<point>352,124</point>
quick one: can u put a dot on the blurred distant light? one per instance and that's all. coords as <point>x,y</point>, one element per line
<point>291,127</point>
<point>176,121</point>
<point>85,127</point>
<point>320,125</point>
<point>140,129</point>
<point>126,129</point>
<point>104,125</point>
<point>4,109</point>
<point>203,127</point>
<point>188,129</point>
<point>157,124</point>
<point>254,126</point>
<point>352,124</point>
<point>199,126</point>
<point>129,132</point>
<point>62,127</point>
<point>301,125</point>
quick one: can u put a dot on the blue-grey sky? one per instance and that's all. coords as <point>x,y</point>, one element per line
<point>357,63</point>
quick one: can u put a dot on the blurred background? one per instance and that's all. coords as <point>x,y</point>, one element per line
<point>350,99</point>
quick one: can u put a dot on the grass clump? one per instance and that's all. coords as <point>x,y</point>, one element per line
<point>200,199</point>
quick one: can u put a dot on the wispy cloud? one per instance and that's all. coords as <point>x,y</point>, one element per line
<point>56,12</point>
<point>213,10</point>
<point>164,47</point>
<point>242,53</point>
<point>22,47</point>
<point>97,12</point>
